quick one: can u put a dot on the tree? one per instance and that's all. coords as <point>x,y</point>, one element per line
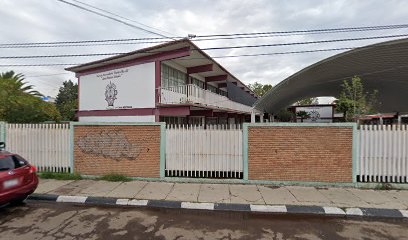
<point>284,115</point>
<point>18,84</point>
<point>307,101</point>
<point>302,115</point>
<point>19,103</point>
<point>67,100</point>
<point>354,101</point>
<point>259,89</point>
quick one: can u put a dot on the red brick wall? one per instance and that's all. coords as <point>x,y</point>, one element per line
<point>309,154</point>
<point>133,151</point>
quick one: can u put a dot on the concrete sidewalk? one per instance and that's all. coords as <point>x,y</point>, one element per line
<point>230,193</point>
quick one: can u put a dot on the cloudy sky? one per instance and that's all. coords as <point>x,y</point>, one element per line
<point>50,20</point>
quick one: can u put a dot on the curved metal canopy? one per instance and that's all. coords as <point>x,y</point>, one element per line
<point>382,66</point>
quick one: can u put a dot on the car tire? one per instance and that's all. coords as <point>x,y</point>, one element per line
<point>18,201</point>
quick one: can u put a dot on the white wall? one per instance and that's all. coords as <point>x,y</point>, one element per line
<point>316,113</point>
<point>135,88</point>
<point>149,118</point>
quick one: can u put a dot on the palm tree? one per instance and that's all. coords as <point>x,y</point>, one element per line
<point>16,81</point>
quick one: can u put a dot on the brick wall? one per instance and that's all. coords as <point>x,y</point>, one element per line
<point>309,154</point>
<point>133,151</point>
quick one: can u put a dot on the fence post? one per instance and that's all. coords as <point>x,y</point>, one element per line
<point>3,132</point>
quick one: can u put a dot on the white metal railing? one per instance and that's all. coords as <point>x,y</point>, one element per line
<point>383,153</point>
<point>215,152</point>
<point>46,146</point>
<point>192,94</point>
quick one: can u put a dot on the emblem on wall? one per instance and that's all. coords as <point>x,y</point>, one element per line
<point>314,115</point>
<point>110,94</point>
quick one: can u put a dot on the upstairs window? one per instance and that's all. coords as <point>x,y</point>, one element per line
<point>197,82</point>
<point>171,77</point>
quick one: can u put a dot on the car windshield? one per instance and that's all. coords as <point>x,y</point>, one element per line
<point>7,164</point>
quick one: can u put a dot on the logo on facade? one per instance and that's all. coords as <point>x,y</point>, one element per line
<point>314,115</point>
<point>110,94</point>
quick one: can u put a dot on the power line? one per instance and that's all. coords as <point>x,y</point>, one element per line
<point>367,28</point>
<point>47,75</point>
<point>113,18</point>
<point>220,36</point>
<point>219,48</point>
<point>117,15</point>
<point>227,56</point>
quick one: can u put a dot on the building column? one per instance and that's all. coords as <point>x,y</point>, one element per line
<point>261,117</point>
<point>252,116</point>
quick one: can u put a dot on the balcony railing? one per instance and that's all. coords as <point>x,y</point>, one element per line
<point>192,94</point>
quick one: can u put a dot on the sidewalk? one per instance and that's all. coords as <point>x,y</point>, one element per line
<point>347,200</point>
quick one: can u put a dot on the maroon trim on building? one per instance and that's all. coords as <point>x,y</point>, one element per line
<point>222,85</point>
<point>232,115</point>
<point>216,78</point>
<point>242,88</point>
<point>174,111</point>
<point>117,112</point>
<point>205,113</point>
<point>200,68</point>
<point>172,54</point>
<point>220,114</point>
<point>235,83</point>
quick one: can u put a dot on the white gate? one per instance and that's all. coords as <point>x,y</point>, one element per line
<point>215,152</point>
<point>45,146</point>
<point>383,153</point>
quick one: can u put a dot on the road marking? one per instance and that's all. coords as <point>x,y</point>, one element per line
<point>354,212</point>
<point>122,201</point>
<point>135,202</point>
<point>203,206</point>
<point>72,199</point>
<point>404,213</point>
<point>268,208</point>
<point>334,211</point>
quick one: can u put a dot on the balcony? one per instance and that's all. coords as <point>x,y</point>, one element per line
<point>194,95</point>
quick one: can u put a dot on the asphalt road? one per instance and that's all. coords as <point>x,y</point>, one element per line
<point>39,220</point>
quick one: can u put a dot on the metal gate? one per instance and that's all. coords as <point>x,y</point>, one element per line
<point>214,152</point>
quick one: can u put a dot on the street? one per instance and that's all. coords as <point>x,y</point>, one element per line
<point>40,220</point>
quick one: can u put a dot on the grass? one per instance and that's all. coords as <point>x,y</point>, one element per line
<point>115,178</point>
<point>59,176</point>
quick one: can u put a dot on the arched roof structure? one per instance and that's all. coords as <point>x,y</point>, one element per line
<point>382,66</point>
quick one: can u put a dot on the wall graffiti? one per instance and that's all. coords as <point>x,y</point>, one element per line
<point>110,144</point>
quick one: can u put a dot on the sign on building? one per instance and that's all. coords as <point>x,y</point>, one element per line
<point>319,114</point>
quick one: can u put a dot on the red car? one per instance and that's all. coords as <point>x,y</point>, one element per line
<point>17,177</point>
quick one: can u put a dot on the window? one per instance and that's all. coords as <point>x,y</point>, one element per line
<point>197,82</point>
<point>11,162</point>
<point>212,88</point>
<point>223,93</point>
<point>172,77</point>
<point>6,164</point>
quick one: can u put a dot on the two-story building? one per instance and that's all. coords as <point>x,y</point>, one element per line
<point>174,82</point>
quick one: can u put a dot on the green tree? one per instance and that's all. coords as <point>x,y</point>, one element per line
<point>284,115</point>
<point>308,101</point>
<point>19,103</point>
<point>355,101</point>
<point>260,89</point>
<point>17,83</point>
<point>302,115</point>
<point>67,100</point>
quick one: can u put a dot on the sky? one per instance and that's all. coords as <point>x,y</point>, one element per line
<point>50,20</point>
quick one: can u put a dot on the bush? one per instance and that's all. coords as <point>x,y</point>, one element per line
<point>59,176</point>
<point>115,178</point>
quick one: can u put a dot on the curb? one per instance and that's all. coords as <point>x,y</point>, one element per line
<point>272,209</point>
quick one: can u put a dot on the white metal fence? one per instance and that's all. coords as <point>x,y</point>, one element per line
<point>46,146</point>
<point>383,153</point>
<point>215,152</point>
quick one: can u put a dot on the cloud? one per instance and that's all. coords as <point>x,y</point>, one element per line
<point>50,20</point>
